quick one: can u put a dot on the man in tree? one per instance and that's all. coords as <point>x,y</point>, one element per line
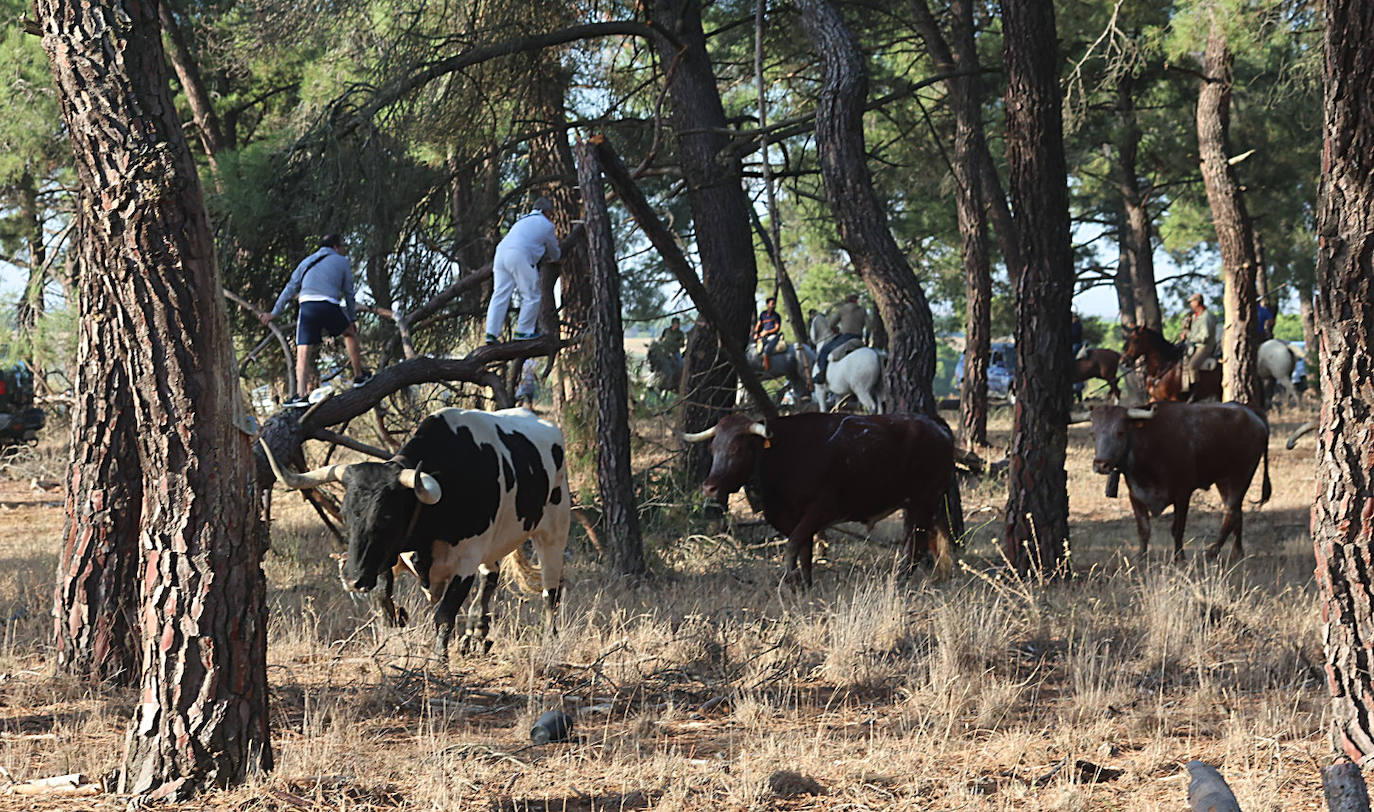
<point>1200,331</point>
<point>323,282</point>
<point>768,329</point>
<point>530,241</point>
<point>847,322</point>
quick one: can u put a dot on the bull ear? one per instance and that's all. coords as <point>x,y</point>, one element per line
<point>1140,414</point>
<point>700,436</point>
<point>426,487</point>
<point>309,479</point>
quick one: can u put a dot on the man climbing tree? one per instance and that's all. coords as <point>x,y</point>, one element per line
<point>202,713</point>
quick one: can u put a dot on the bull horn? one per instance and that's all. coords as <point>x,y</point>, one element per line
<point>426,487</point>
<point>1140,414</point>
<point>1297,435</point>
<point>1079,417</point>
<point>760,429</point>
<point>700,436</point>
<point>309,479</point>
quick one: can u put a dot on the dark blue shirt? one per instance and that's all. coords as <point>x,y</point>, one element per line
<point>1263,316</point>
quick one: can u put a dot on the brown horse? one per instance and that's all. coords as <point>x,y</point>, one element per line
<point>1164,368</point>
<point>1099,363</point>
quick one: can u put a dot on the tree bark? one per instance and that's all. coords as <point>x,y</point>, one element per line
<point>619,510</point>
<point>966,99</point>
<point>861,217</point>
<point>720,217</point>
<point>202,714</point>
<point>96,607</point>
<point>1037,528</point>
<point>1138,239</point>
<point>1343,516</point>
<point>1235,236</point>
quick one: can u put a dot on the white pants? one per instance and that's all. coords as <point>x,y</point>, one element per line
<point>508,273</point>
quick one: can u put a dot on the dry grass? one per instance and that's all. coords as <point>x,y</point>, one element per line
<point>696,689</point>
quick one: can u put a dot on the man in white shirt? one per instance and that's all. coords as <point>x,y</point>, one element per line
<point>530,241</point>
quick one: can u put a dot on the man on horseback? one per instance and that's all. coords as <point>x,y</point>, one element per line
<point>1200,331</point>
<point>768,330</point>
<point>848,322</point>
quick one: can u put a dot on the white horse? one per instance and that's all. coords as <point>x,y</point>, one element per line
<point>1275,361</point>
<point>860,373</point>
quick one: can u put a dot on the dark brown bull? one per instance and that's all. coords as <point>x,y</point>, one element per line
<point>1172,449</point>
<point>806,472</point>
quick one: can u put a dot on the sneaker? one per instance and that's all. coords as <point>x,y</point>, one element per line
<point>296,403</point>
<point>362,379</point>
<point>525,336</point>
<point>491,339</point>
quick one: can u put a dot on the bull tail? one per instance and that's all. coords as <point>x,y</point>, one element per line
<point>1266,490</point>
<point>523,571</point>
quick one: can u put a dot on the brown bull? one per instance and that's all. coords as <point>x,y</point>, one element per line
<point>806,472</point>
<point>1172,449</point>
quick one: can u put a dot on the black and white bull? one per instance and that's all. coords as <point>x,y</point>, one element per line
<point>465,491</point>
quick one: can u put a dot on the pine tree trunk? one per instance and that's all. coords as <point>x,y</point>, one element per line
<point>620,529</point>
<point>1307,312</point>
<point>202,714</point>
<point>1343,516</point>
<point>965,94</point>
<point>1037,528</point>
<point>720,217</point>
<point>29,308</point>
<point>1124,279</point>
<point>1235,236</point>
<point>212,135</point>
<point>96,607</point>
<point>1138,240</point>
<point>862,220</point>
<point>552,157</point>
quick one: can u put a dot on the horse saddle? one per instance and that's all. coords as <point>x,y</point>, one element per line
<point>845,349</point>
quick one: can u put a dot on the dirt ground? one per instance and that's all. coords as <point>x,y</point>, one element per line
<point>709,686</point>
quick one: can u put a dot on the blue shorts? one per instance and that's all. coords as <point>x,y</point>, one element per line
<point>317,319</point>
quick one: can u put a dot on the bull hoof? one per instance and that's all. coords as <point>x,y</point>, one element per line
<point>474,646</point>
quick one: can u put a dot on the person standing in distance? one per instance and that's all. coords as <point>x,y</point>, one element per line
<point>324,282</point>
<point>516,267</point>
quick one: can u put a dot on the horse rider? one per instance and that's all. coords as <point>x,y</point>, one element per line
<point>768,330</point>
<point>672,338</point>
<point>1076,334</point>
<point>847,321</point>
<point>1264,321</point>
<point>819,329</point>
<point>1200,331</point>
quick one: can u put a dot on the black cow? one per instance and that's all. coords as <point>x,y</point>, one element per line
<point>1172,449</point>
<point>504,478</point>
<point>806,472</point>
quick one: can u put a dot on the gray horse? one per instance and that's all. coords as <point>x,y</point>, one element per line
<point>784,365</point>
<point>1275,361</point>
